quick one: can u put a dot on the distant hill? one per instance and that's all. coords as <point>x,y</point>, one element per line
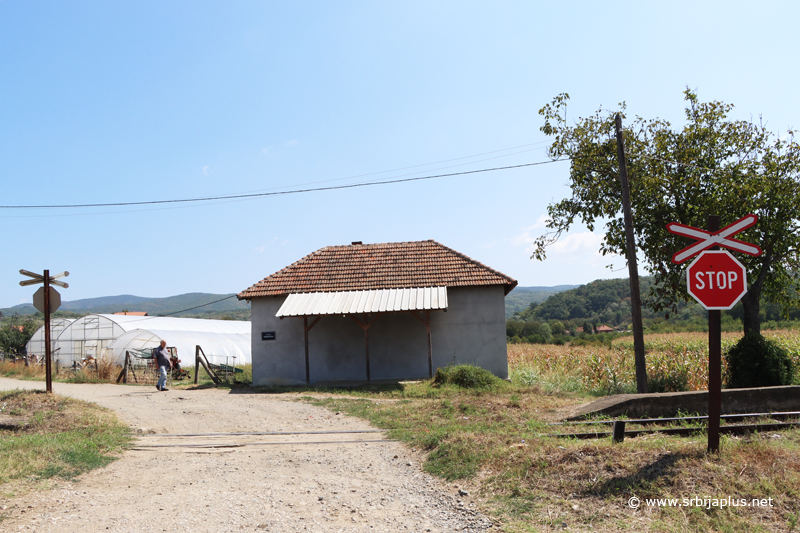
<point>154,306</point>
<point>517,300</point>
<point>521,297</point>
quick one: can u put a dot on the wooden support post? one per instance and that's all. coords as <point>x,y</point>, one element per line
<point>123,376</point>
<point>48,349</point>
<point>365,326</point>
<point>306,329</point>
<point>430,354</point>
<point>619,431</point>
<point>366,350</point>
<point>714,363</point>
<point>305,340</point>
<point>196,363</point>
<point>427,323</point>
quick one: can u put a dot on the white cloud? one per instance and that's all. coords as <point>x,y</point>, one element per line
<point>525,237</point>
<point>290,143</point>
<point>540,223</point>
<point>206,170</point>
<point>583,242</point>
<point>266,150</point>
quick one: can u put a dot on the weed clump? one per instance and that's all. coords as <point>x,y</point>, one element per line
<point>758,362</point>
<point>676,380</point>
<point>466,376</point>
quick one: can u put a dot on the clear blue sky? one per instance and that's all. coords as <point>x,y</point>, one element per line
<point>136,101</point>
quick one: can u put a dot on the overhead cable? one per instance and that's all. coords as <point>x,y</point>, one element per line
<point>275,193</point>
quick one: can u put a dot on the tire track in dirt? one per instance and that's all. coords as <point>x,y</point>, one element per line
<point>252,462</point>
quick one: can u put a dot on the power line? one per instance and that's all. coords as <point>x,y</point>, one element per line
<point>276,193</point>
<point>199,306</point>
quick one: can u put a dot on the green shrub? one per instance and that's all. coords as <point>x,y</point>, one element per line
<point>757,362</point>
<point>466,376</point>
<point>675,381</point>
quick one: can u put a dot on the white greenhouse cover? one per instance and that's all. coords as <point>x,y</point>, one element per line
<point>35,345</point>
<point>219,348</point>
<point>94,335</point>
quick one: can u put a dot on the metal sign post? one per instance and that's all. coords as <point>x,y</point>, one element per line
<point>49,302</point>
<point>717,281</point>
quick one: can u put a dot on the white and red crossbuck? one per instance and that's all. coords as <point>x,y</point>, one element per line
<point>706,239</point>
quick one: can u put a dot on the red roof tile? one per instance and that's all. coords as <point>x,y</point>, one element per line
<point>392,265</point>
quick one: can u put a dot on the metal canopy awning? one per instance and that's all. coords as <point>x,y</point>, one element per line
<point>359,302</point>
<point>370,304</point>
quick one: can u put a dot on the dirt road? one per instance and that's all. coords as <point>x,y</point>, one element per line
<point>273,465</point>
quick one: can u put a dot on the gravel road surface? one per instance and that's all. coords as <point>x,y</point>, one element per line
<point>216,461</point>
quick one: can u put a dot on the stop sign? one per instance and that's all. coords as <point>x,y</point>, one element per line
<point>55,299</point>
<point>716,279</point>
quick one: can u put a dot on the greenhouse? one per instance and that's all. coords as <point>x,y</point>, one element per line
<point>35,345</point>
<point>112,335</point>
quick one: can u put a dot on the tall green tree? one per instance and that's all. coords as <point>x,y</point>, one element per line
<point>14,337</point>
<point>713,165</point>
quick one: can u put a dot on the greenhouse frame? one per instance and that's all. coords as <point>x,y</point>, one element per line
<point>110,336</point>
<point>35,345</point>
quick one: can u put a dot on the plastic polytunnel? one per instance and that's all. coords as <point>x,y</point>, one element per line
<point>35,345</point>
<point>221,348</point>
<point>112,335</point>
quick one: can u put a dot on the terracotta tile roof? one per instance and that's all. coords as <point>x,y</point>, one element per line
<point>392,265</point>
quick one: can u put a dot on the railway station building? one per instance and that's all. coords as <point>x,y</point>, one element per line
<point>377,312</point>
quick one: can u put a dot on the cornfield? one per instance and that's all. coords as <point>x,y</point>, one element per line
<point>600,370</point>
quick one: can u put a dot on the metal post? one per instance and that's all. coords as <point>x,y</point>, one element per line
<point>714,364</point>
<point>47,347</point>
<point>633,270</point>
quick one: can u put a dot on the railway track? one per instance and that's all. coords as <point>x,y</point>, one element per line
<point>618,431</point>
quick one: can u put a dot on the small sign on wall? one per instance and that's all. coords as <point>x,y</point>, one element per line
<point>267,335</point>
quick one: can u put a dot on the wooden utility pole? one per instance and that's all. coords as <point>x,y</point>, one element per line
<point>633,270</point>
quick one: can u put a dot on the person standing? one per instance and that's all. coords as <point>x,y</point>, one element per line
<point>163,363</point>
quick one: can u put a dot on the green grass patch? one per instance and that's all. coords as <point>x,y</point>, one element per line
<point>44,436</point>
<point>496,442</point>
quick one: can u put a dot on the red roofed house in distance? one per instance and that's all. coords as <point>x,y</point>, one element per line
<point>373,312</point>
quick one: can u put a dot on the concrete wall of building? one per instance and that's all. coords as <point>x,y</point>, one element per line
<point>471,331</point>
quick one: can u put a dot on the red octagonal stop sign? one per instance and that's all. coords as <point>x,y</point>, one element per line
<point>716,279</point>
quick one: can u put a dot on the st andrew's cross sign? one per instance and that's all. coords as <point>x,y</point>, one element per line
<point>706,239</point>
<point>716,280</point>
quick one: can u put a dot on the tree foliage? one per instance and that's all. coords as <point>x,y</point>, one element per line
<point>14,337</point>
<point>712,166</point>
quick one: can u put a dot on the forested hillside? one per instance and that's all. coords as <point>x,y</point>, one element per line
<point>567,314</point>
<point>521,297</point>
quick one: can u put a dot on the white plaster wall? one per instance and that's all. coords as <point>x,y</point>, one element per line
<point>471,331</point>
<point>282,361</point>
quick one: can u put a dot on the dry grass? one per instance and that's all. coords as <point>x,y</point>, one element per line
<point>602,370</point>
<point>496,445</point>
<point>20,371</point>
